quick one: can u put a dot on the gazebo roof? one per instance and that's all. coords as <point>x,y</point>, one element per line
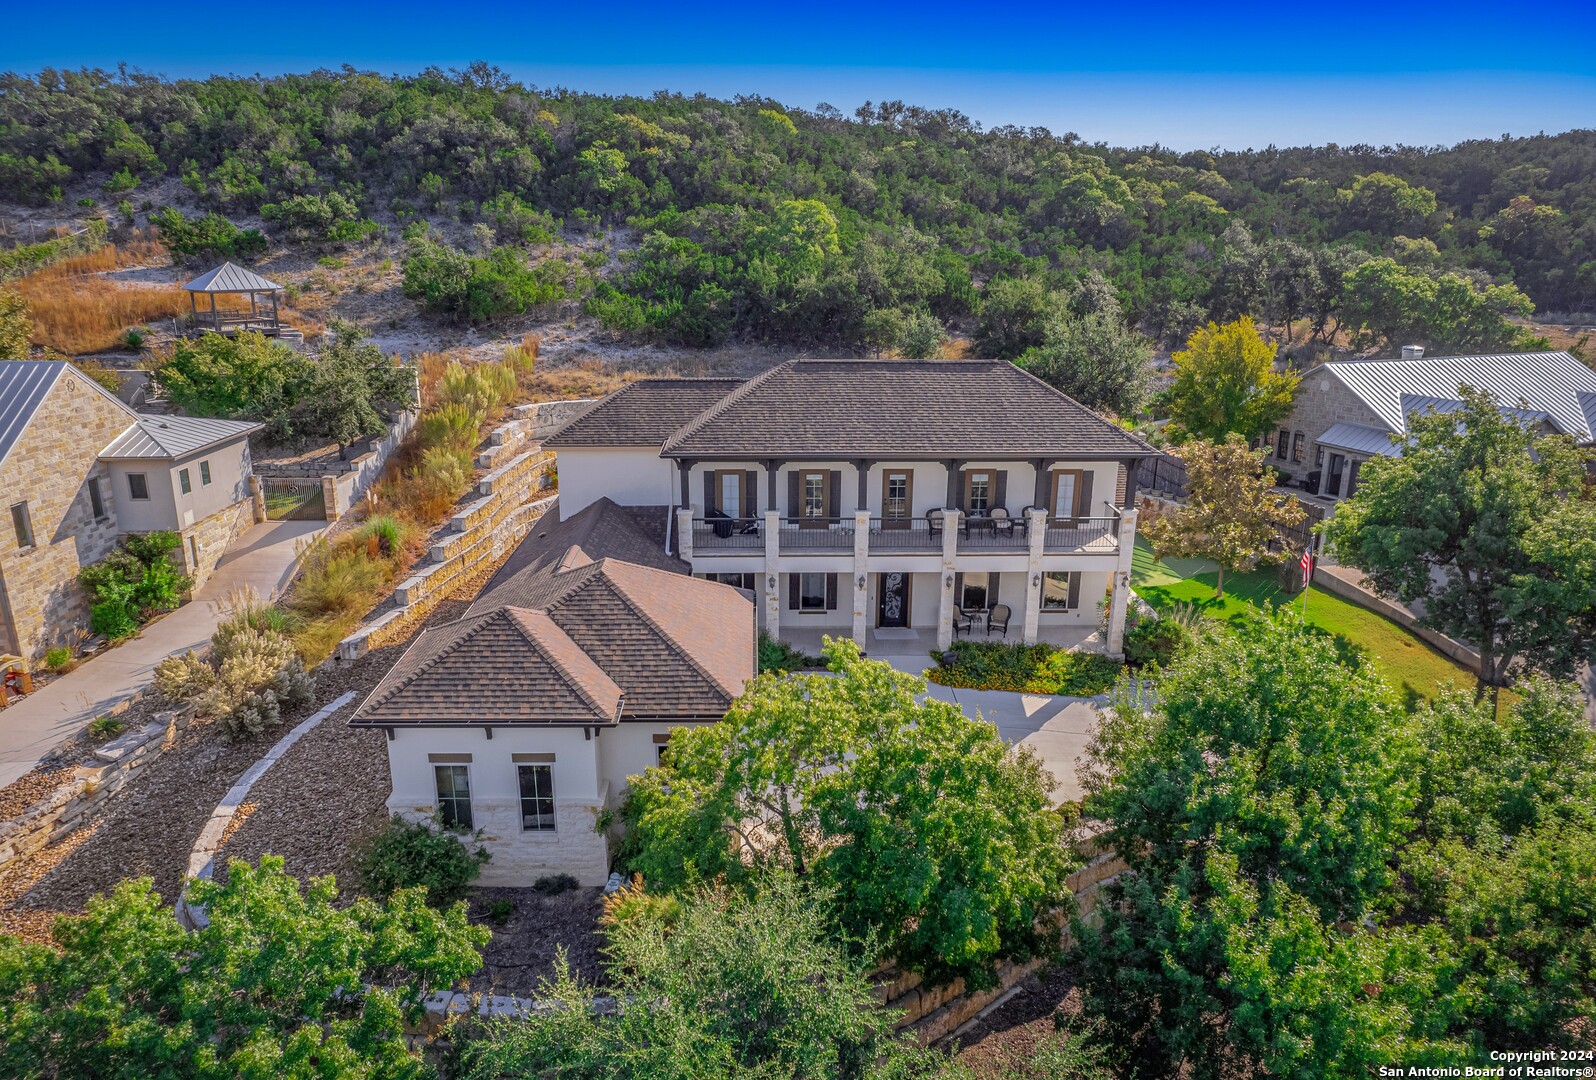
<point>230,278</point>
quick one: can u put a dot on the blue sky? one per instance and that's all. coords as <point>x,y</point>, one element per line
<point>1185,75</point>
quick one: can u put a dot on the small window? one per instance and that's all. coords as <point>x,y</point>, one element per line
<point>1056,591</point>
<point>1065,485</point>
<point>22,521</point>
<point>980,493</point>
<point>814,495</point>
<point>1298,446</point>
<point>96,499</point>
<point>730,493</point>
<point>895,501</point>
<point>976,588</point>
<point>205,473</point>
<point>454,795</point>
<point>736,581</point>
<point>183,481</point>
<point>138,486</point>
<point>537,797</point>
<point>811,592</point>
<point>659,752</point>
<point>1283,445</point>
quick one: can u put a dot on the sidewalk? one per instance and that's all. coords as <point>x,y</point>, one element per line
<point>32,726</point>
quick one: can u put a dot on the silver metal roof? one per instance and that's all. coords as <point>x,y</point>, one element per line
<point>1544,382</point>
<point>1423,403</point>
<point>1360,439</point>
<point>24,384</point>
<point>1587,405</point>
<point>172,437</point>
<point>230,278</point>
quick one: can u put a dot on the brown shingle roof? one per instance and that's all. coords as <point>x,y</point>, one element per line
<point>641,413</point>
<point>904,408</point>
<point>568,634</point>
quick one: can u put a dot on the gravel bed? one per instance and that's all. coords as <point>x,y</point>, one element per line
<point>524,945</point>
<point>1007,1037</point>
<point>56,768</point>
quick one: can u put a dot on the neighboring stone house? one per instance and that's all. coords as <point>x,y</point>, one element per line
<point>79,469</point>
<point>524,717</point>
<point>1347,411</point>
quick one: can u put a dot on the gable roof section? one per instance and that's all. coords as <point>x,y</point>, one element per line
<point>171,437</point>
<point>1586,399</point>
<point>906,408</point>
<point>230,277</point>
<point>1541,382</point>
<point>24,384</point>
<point>641,413</point>
<point>568,634</point>
<point>1360,439</point>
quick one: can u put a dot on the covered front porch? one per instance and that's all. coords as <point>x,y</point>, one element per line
<point>910,650</point>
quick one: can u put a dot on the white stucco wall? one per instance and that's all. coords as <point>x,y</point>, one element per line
<point>630,476</point>
<point>167,507</point>
<point>519,857</point>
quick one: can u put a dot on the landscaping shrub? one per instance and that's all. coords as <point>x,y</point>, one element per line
<point>211,236</point>
<point>336,580</point>
<point>57,657</point>
<point>777,655</point>
<point>634,903</point>
<point>383,535</point>
<point>555,884</point>
<point>133,583</point>
<point>1030,669</point>
<point>105,728</point>
<point>1155,641</point>
<point>452,426</point>
<point>406,854</point>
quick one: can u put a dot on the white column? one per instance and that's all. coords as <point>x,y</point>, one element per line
<point>1036,520</point>
<point>770,581</point>
<point>684,533</point>
<point>950,555</point>
<point>1120,599</point>
<point>860,581</point>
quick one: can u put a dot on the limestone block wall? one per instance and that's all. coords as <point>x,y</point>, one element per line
<point>1322,400</point>
<point>206,541</point>
<point>49,470</point>
<point>103,772</point>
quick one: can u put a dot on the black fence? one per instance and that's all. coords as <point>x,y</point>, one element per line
<point>1164,473</point>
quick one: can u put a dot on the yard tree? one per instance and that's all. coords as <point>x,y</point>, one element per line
<point>1492,525</point>
<point>350,385</point>
<point>1257,809</point>
<point>1014,316</point>
<point>15,326</point>
<point>1095,359</point>
<point>282,982</point>
<point>245,376</point>
<point>938,839</point>
<point>1383,301</point>
<point>1226,383</point>
<point>1231,514</point>
<point>741,983</point>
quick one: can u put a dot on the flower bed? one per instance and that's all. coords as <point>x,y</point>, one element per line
<point>1029,669</point>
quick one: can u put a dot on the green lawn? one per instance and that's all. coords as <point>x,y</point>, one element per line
<point>1410,666</point>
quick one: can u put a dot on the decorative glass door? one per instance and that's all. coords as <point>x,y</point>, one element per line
<point>893,600</point>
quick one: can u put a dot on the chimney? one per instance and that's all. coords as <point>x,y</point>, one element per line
<point>1413,352</point>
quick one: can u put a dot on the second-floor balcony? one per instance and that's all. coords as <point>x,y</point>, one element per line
<point>976,534</point>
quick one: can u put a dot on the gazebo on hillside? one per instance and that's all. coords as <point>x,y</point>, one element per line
<point>230,281</point>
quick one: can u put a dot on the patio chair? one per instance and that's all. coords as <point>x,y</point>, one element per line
<point>1002,523</point>
<point>962,622</point>
<point>998,619</point>
<point>933,520</point>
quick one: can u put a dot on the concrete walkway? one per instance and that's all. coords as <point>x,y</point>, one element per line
<point>32,726</point>
<point>1056,727</point>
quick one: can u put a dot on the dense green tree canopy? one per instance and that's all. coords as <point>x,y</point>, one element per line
<point>1226,384</point>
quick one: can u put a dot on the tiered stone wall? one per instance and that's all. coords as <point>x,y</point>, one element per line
<point>483,531</point>
<point>345,482</point>
<point>103,772</point>
<point>533,423</point>
<point>48,469</point>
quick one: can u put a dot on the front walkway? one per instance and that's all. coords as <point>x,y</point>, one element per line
<point>910,650</point>
<point>263,558</point>
<point>1056,727</point>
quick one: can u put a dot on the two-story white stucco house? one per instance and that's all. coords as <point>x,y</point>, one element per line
<point>1348,411</point>
<point>524,718</point>
<point>79,470</point>
<point>893,501</point>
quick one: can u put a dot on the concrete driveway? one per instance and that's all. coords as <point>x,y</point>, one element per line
<point>31,727</point>
<point>1057,728</point>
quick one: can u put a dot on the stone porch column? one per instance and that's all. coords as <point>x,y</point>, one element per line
<point>684,533</point>
<point>770,580</point>
<point>950,555</point>
<point>1036,521</point>
<point>860,580</point>
<point>1120,599</point>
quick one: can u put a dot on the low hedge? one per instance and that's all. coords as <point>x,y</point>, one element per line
<point>1029,669</point>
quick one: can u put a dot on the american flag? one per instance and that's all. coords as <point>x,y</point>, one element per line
<point>1306,562</point>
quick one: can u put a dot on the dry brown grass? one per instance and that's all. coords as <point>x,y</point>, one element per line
<point>76,310</point>
<point>587,378</point>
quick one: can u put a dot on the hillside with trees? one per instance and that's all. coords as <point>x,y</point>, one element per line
<point>749,220</point>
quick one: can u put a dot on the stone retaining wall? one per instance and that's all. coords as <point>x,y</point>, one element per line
<point>532,423</point>
<point>104,771</point>
<point>483,531</point>
<point>345,482</point>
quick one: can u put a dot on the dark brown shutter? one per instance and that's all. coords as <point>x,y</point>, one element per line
<point>792,591</point>
<point>1075,589</point>
<point>831,588</point>
<point>834,494</point>
<point>1083,495</point>
<point>1000,490</point>
<point>793,509</point>
<point>958,590</point>
<point>709,493</point>
<point>992,589</point>
<point>750,494</point>
<point>964,490</point>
